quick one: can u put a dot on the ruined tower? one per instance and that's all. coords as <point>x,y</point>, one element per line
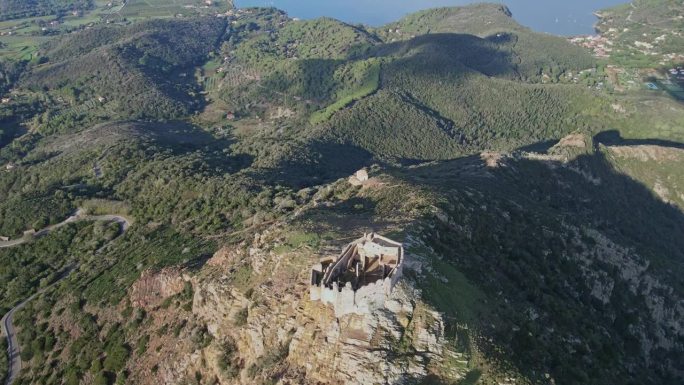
<point>361,278</point>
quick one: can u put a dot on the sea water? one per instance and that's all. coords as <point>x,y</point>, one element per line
<point>559,17</point>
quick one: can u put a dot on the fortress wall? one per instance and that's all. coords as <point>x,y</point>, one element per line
<point>369,298</point>
<point>345,301</point>
<point>315,293</point>
<point>365,299</point>
<point>396,275</point>
<point>375,249</point>
<point>314,287</point>
<point>362,301</point>
<point>341,263</point>
<point>329,296</point>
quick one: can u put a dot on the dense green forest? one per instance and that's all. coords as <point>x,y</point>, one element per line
<point>117,71</point>
<point>531,53</point>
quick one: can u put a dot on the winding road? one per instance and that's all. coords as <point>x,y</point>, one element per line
<point>8,330</point>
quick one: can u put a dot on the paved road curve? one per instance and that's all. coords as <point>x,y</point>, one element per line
<point>13,349</point>
<point>78,216</point>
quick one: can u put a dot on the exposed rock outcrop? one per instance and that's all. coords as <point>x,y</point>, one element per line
<point>274,331</point>
<point>390,346</point>
<point>154,287</point>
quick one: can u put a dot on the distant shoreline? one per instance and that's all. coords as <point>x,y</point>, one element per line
<point>380,15</point>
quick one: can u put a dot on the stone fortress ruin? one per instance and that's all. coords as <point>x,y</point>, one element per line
<point>360,279</point>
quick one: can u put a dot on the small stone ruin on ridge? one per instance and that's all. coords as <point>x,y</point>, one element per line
<point>360,279</point>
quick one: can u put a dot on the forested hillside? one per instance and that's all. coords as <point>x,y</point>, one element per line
<point>398,84</point>
<point>540,209</point>
<point>531,53</point>
<point>138,71</point>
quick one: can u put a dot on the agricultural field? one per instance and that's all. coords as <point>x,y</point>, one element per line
<point>20,47</point>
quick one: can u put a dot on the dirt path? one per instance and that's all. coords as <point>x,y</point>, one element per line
<point>6,324</point>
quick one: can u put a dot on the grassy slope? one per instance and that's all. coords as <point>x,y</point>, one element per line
<point>369,85</point>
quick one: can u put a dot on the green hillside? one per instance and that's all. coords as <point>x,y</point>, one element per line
<point>645,32</point>
<point>129,72</point>
<point>17,9</point>
<point>531,53</point>
<point>544,243</point>
<point>540,207</point>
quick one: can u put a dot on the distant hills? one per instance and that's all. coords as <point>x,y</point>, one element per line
<point>139,71</point>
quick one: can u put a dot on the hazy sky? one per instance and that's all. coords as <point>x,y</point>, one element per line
<point>567,17</point>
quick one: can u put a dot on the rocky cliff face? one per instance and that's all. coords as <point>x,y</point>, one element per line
<point>153,287</point>
<point>252,303</point>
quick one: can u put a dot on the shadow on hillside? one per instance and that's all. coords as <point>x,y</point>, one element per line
<point>319,163</point>
<point>613,138</point>
<point>347,219</point>
<point>10,129</point>
<point>182,139</point>
<point>176,134</point>
<point>444,51</point>
<point>559,299</point>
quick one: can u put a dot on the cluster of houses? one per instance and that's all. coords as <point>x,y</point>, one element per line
<point>47,25</point>
<point>600,45</point>
<point>234,13</point>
